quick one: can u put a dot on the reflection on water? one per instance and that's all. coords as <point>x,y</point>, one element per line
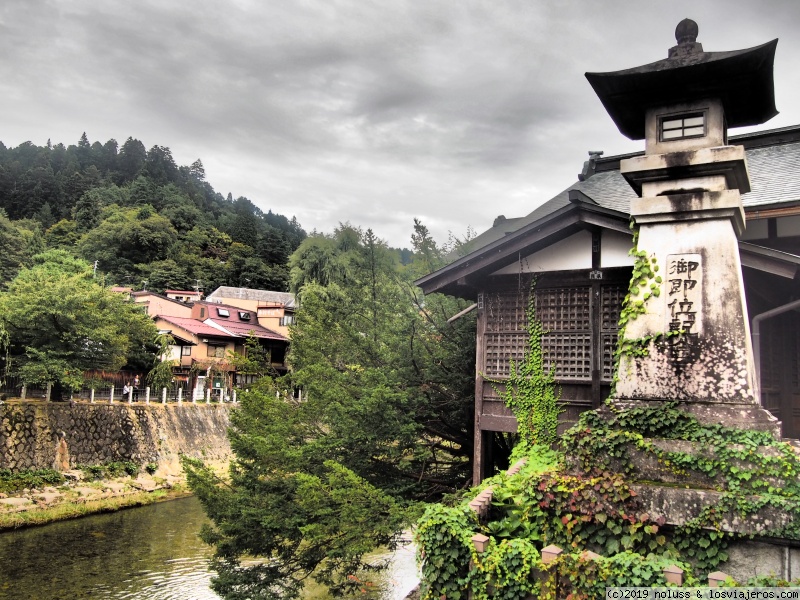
<point>151,552</point>
<point>147,552</point>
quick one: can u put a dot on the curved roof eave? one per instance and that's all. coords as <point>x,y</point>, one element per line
<point>742,79</point>
<point>541,232</point>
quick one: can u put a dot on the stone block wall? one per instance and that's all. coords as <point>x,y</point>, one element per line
<point>101,433</point>
<point>752,558</point>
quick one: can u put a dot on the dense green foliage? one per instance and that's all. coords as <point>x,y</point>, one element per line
<point>62,322</point>
<point>287,504</point>
<point>384,421</point>
<point>587,503</point>
<point>27,478</point>
<point>111,469</point>
<point>530,511</point>
<point>530,390</point>
<point>388,376</point>
<point>139,215</point>
<point>751,469</point>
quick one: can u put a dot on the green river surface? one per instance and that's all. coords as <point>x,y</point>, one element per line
<point>151,553</point>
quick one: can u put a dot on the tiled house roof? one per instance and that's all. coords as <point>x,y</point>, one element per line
<point>773,160</point>
<point>235,325</point>
<point>223,292</point>
<point>246,329</point>
<point>774,175</point>
<point>193,326</point>
<point>221,327</point>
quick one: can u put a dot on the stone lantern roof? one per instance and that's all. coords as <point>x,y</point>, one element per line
<point>741,79</point>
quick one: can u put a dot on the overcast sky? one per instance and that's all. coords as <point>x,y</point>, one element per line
<point>356,110</point>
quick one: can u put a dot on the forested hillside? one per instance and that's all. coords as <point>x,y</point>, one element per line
<point>141,217</point>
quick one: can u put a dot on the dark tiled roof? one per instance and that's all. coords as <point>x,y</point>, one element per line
<point>774,176</point>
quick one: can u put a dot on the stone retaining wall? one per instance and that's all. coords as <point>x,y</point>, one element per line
<point>99,433</point>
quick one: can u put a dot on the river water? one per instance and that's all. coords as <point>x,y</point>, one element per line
<point>146,553</point>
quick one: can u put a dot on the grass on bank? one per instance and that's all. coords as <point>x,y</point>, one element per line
<point>71,510</point>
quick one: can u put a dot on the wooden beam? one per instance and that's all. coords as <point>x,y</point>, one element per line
<point>768,265</point>
<point>498,423</point>
<point>527,240</point>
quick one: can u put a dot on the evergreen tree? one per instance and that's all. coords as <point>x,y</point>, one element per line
<point>131,159</point>
<point>84,152</point>
<point>19,244</point>
<point>385,421</point>
<point>197,171</point>
<point>160,166</point>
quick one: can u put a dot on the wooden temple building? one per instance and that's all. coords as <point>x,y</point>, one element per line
<point>576,244</point>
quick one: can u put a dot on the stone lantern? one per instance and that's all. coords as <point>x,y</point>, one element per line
<point>688,336</point>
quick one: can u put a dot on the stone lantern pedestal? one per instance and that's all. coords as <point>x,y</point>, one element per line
<point>686,337</point>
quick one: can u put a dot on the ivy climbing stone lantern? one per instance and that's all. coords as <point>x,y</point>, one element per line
<point>687,337</point>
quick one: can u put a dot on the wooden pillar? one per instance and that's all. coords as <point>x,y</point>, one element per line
<point>596,318</point>
<point>480,542</point>
<point>478,465</point>
<point>49,391</point>
<point>550,553</point>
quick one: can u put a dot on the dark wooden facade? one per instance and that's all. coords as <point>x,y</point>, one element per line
<point>778,344</point>
<point>579,312</point>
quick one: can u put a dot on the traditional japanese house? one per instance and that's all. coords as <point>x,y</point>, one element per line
<point>575,246</point>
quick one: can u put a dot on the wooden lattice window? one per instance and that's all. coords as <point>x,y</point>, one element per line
<point>501,349</point>
<point>570,338</point>
<point>611,297</point>
<point>507,310</point>
<point>566,316</point>
<point>506,337</point>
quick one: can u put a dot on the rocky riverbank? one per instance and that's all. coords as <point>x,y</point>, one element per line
<point>78,496</point>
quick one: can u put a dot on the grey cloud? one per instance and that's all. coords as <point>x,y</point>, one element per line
<point>360,110</point>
